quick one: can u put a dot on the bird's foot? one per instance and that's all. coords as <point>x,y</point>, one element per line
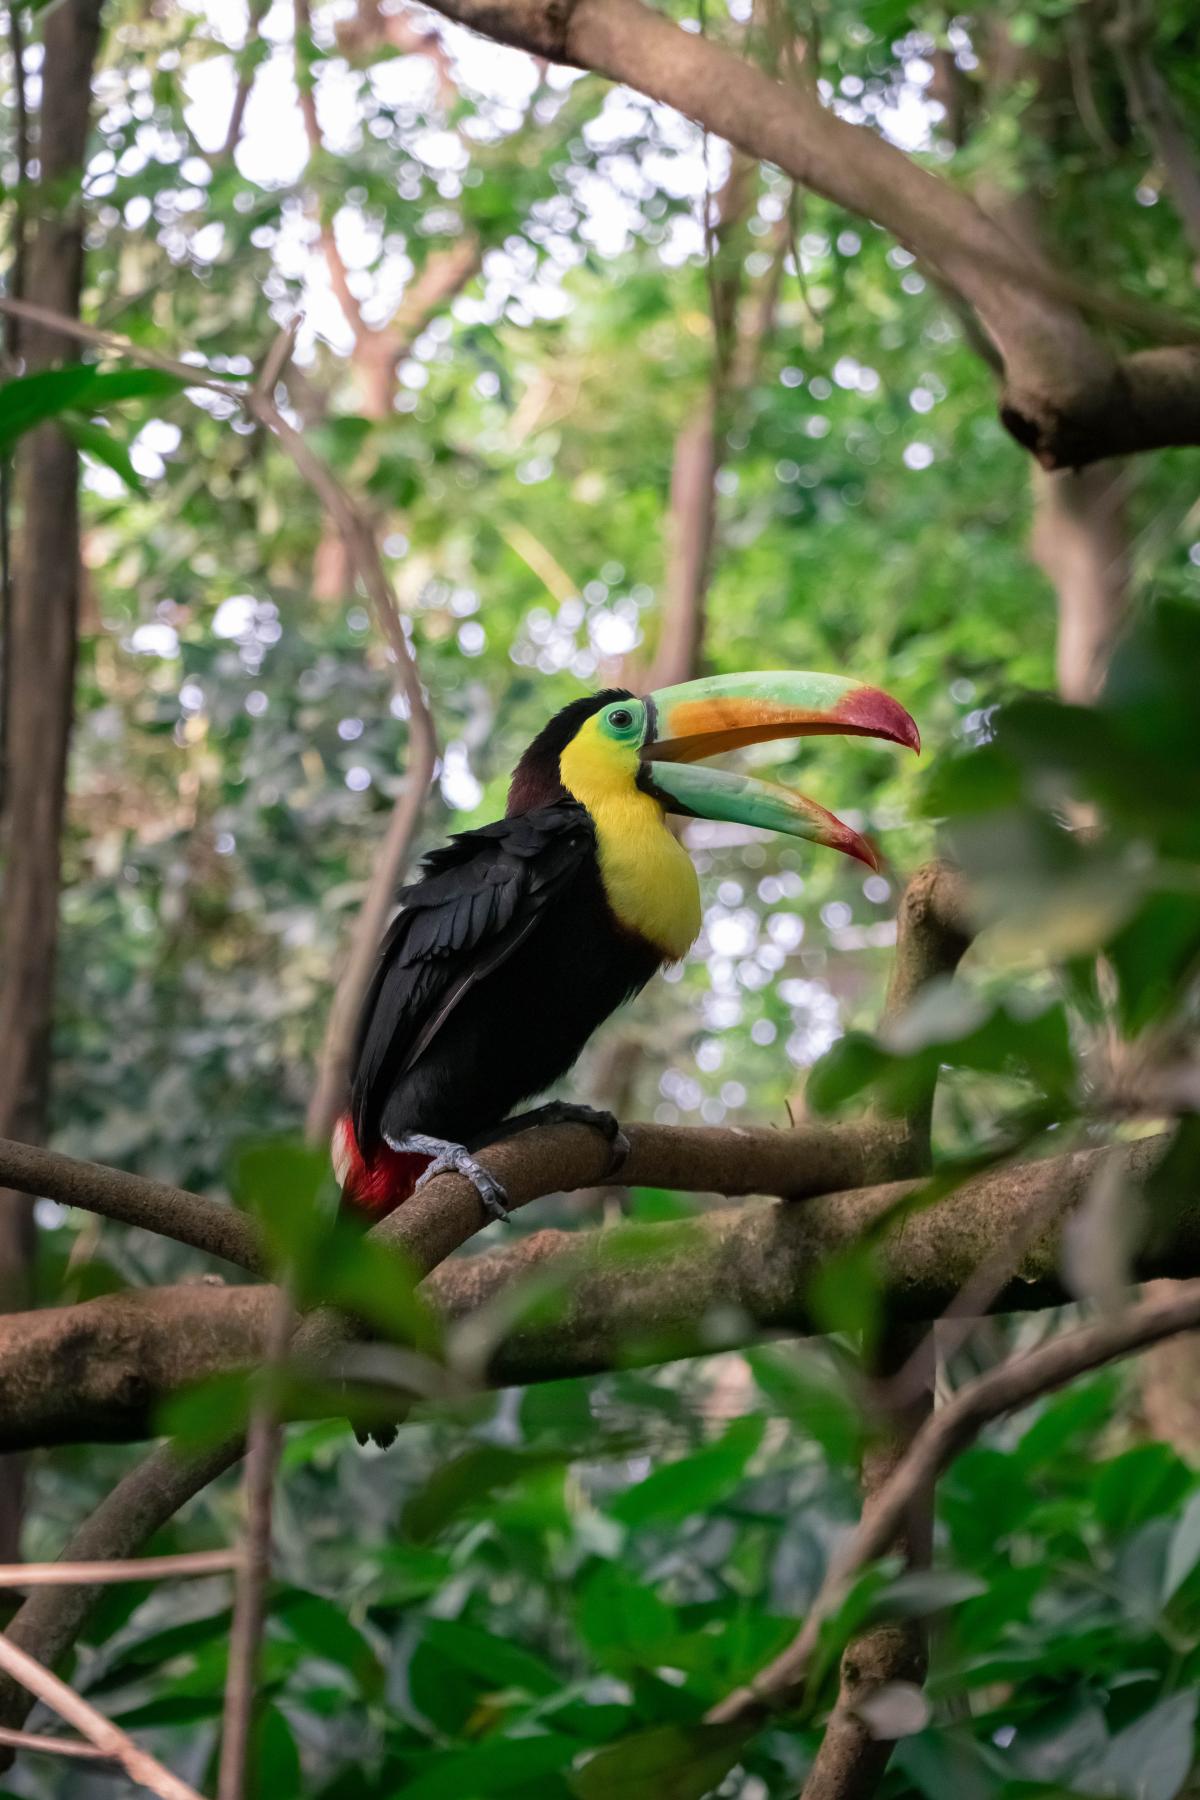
<point>448,1155</point>
<point>572,1112</point>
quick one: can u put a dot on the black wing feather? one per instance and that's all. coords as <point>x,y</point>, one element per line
<point>479,897</point>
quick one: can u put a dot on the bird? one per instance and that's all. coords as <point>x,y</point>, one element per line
<point>522,936</point>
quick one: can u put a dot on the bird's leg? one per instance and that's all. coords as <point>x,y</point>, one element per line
<point>564,1112</point>
<point>447,1154</point>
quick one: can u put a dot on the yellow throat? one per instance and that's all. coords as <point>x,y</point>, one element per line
<point>648,876</point>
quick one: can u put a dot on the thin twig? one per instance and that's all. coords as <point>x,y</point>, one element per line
<point>132,1568</point>
<point>245,80</point>
<point>362,550</point>
<point>250,1600</point>
<point>51,1746</point>
<point>108,1738</point>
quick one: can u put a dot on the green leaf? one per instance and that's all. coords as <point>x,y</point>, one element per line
<point>75,387</point>
<point>97,442</point>
<point>622,1621</point>
<point>171,1709</point>
<point>920,1592</point>
<point>322,1627</point>
<point>494,1660</point>
<point>694,1483</point>
<point>276,1754</point>
<point>669,1762</point>
<point>942,1763</point>
<point>31,399</point>
<point>468,1481</point>
<point>807,1391</point>
<point>497,1766</point>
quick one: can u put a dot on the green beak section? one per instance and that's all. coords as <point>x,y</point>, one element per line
<point>717,794</point>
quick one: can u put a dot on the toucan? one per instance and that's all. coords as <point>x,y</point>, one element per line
<point>522,936</point>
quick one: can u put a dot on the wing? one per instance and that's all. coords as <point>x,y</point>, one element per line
<point>479,898</point>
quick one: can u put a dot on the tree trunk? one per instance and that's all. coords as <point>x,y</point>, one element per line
<point>40,636</point>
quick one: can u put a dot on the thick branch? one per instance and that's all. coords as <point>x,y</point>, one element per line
<point>631,1295</point>
<point>1065,397</point>
<point>133,1200</point>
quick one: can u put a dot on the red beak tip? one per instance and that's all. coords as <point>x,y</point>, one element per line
<point>875,714</point>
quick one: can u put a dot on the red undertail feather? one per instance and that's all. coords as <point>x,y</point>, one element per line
<point>378,1186</point>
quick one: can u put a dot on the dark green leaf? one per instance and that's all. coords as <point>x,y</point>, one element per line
<point>670,1762</point>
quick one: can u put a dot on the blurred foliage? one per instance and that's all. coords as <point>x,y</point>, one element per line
<point>541,1593</point>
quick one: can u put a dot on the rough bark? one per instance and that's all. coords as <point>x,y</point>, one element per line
<point>853,1756</point>
<point>631,1294</point>
<point>40,656</point>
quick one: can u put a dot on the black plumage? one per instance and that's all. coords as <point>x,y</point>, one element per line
<point>504,959</point>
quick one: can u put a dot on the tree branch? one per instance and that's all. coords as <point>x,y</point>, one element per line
<point>142,1768</point>
<point>1065,397</point>
<point>191,1563</point>
<point>932,936</point>
<point>50,1746</point>
<point>362,551</point>
<point>133,1200</point>
<point>100,1370</point>
<point>247,67</point>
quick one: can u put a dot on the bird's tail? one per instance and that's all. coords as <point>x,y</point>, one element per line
<point>375,1185</point>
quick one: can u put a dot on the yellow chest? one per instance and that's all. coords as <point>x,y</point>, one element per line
<point>648,877</point>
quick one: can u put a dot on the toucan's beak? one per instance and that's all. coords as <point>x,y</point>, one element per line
<point>703,718</point>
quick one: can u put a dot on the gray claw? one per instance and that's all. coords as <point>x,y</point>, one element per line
<point>490,1191</point>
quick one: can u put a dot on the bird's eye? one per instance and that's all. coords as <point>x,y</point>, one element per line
<point>620,717</point>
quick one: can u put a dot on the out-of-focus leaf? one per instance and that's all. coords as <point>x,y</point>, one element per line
<point>693,1483</point>
<point>276,1754</point>
<point>844,1294</point>
<point>1150,1759</point>
<point>281,1182</point>
<point>500,1766</point>
<point>622,1620</point>
<point>942,1763</point>
<point>810,1394</point>
<point>920,1592</point>
<point>895,1709</point>
<point>669,1762</point>
<point>468,1481</point>
<point>170,1709</point>
<point>208,1412</point>
<point>75,387</point>
<point>1184,1552</point>
<point>497,1661</point>
<point>105,447</point>
<point>1146,1482</point>
<point>322,1627</point>
<point>947,1025</point>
